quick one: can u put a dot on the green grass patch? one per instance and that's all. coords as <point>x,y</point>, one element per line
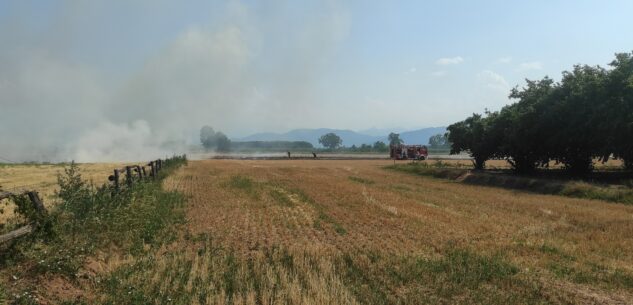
<point>621,194</point>
<point>361,180</point>
<point>592,274</point>
<point>281,198</point>
<point>458,277</point>
<point>556,252</point>
<point>244,184</point>
<point>436,170</point>
<point>467,269</point>
<point>240,182</point>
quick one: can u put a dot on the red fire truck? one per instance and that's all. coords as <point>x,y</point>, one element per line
<point>408,152</point>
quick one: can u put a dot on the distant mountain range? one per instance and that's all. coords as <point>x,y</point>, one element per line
<point>349,137</point>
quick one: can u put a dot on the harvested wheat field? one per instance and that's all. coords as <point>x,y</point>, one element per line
<point>353,232</point>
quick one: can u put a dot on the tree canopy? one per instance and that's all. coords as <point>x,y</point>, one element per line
<point>588,114</point>
<point>330,140</point>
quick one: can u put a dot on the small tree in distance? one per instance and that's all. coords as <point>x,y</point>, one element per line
<point>380,146</point>
<point>438,140</point>
<point>394,139</point>
<point>214,140</point>
<point>330,140</point>
<point>207,136</point>
<point>223,143</point>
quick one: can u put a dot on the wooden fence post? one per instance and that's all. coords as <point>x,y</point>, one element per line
<point>128,175</point>
<point>143,171</point>
<point>115,179</point>
<point>16,233</point>
<point>39,206</point>
<point>37,202</point>
<point>140,174</point>
<point>152,169</point>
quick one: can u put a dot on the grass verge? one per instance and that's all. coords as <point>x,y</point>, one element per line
<point>577,189</point>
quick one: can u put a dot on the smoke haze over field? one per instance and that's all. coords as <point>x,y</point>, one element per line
<point>56,106</point>
<point>134,80</point>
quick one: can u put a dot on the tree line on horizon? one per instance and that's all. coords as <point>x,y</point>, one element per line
<point>218,141</point>
<point>587,115</point>
<point>332,141</point>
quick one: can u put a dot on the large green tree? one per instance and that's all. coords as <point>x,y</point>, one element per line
<point>581,126</point>
<point>471,135</point>
<point>588,115</point>
<point>330,140</point>
<point>620,107</point>
<point>524,126</point>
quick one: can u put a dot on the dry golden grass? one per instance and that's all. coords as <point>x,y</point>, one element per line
<point>356,215</point>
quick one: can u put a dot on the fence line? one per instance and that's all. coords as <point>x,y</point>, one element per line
<point>131,172</point>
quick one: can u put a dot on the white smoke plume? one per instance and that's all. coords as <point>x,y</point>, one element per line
<point>110,142</point>
<point>71,90</point>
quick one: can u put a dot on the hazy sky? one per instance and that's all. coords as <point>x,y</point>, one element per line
<point>78,79</point>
